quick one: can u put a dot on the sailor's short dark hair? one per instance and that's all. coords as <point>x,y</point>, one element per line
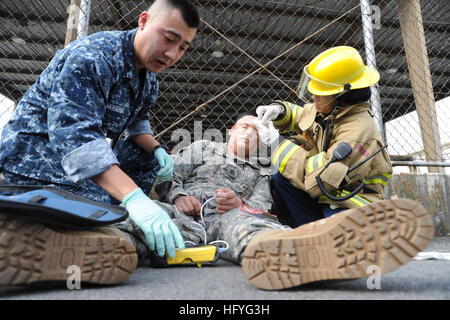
<point>188,11</point>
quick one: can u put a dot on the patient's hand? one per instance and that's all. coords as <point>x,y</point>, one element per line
<point>226,200</point>
<point>189,205</point>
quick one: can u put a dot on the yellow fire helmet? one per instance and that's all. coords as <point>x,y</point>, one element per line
<point>334,71</point>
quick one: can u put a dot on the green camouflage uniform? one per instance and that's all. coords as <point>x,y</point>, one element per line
<point>199,170</point>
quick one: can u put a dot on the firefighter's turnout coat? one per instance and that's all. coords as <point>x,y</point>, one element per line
<point>301,157</point>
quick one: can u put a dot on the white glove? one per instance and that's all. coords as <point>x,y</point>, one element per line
<point>267,113</point>
<point>266,132</point>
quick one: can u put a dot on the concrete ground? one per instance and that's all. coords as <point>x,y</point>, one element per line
<point>417,280</point>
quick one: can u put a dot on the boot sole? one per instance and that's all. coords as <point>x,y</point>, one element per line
<point>379,237</point>
<point>31,252</point>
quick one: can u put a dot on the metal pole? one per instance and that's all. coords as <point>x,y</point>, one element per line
<point>413,34</point>
<point>83,19</point>
<point>421,163</point>
<point>375,100</point>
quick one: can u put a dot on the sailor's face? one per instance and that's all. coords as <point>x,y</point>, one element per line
<point>161,40</point>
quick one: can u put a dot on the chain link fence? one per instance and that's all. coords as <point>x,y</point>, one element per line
<point>248,53</point>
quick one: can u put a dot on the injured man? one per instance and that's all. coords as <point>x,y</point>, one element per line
<point>218,194</point>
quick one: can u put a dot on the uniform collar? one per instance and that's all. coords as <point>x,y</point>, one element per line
<point>222,150</point>
<point>130,71</point>
<point>128,54</point>
<point>357,108</point>
<point>307,117</point>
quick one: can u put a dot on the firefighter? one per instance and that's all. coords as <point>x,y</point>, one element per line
<point>337,85</point>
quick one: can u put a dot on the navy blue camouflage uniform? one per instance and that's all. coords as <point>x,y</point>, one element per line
<point>90,91</point>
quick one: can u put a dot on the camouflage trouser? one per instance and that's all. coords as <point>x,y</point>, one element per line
<point>137,164</point>
<point>235,227</point>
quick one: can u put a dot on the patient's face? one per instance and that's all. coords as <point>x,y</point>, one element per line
<point>244,138</point>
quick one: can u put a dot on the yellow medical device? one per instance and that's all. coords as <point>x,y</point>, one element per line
<point>197,255</point>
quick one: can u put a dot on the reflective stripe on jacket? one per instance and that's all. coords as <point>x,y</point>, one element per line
<point>354,125</point>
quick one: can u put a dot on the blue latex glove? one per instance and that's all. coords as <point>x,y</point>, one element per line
<point>165,162</point>
<point>156,224</point>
